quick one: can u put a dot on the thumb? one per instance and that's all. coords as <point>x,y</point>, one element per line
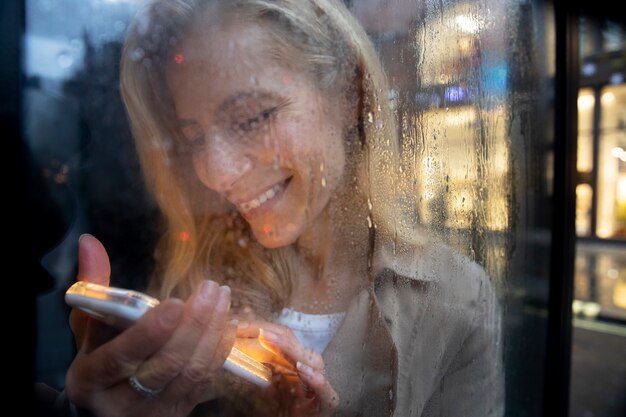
<point>93,266</point>
<point>93,260</point>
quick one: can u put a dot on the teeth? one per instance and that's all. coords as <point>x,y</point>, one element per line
<point>267,195</point>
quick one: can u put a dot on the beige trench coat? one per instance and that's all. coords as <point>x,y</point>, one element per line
<point>425,340</point>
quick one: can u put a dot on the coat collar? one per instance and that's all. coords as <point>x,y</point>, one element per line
<point>405,260</point>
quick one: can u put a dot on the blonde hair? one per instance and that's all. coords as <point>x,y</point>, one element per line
<point>202,239</point>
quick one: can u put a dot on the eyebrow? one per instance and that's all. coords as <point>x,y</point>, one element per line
<point>244,95</point>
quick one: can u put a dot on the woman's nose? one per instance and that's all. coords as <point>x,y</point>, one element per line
<point>225,162</point>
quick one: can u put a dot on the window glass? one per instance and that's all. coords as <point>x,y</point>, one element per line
<point>612,164</point>
<point>366,182</point>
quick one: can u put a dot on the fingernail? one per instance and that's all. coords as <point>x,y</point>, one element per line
<point>83,235</point>
<point>267,335</point>
<point>305,369</point>
<point>223,302</point>
<point>172,312</point>
<point>207,288</point>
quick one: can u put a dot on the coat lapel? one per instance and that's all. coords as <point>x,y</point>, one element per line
<point>361,361</point>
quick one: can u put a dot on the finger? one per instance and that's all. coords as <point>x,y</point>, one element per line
<point>93,261</point>
<point>169,361</point>
<point>220,324</point>
<point>279,359</point>
<point>327,396</point>
<point>208,356</point>
<point>281,342</point>
<point>283,339</point>
<point>78,324</point>
<point>93,266</point>
<point>96,333</point>
<point>116,360</point>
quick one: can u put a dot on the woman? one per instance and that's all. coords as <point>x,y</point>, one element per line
<point>265,134</point>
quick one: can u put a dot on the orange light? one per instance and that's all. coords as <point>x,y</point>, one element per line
<point>184,236</point>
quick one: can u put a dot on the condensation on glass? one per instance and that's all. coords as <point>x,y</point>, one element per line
<point>471,85</point>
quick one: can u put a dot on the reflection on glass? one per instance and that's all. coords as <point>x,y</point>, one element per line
<point>583,209</point>
<point>608,180</point>
<point>600,280</point>
<point>612,164</point>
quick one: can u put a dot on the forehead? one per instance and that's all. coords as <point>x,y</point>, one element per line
<point>222,57</point>
<point>215,63</point>
<point>218,48</point>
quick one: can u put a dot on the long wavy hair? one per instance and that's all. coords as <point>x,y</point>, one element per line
<point>202,238</point>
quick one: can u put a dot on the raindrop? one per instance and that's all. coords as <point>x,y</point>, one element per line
<point>137,54</point>
<point>119,26</point>
<point>77,45</point>
<point>65,59</point>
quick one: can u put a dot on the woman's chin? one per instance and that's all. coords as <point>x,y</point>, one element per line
<point>273,238</point>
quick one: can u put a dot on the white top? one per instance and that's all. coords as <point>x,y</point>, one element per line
<point>312,330</point>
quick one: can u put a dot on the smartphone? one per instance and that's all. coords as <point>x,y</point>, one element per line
<point>120,307</point>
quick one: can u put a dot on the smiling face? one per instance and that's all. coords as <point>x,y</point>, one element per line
<point>258,133</point>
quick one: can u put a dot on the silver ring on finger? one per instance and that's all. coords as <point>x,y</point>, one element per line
<point>141,389</point>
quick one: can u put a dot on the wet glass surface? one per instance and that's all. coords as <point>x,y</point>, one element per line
<point>470,89</point>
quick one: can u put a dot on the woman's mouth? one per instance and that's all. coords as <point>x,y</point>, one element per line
<point>263,198</point>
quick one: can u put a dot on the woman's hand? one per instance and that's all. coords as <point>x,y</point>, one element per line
<point>176,349</point>
<point>299,386</point>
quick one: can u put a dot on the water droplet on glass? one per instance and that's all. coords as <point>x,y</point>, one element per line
<point>119,26</point>
<point>137,54</point>
<point>76,45</point>
<point>65,59</point>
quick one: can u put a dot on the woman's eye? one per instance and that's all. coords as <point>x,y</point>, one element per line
<point>251,124</point>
